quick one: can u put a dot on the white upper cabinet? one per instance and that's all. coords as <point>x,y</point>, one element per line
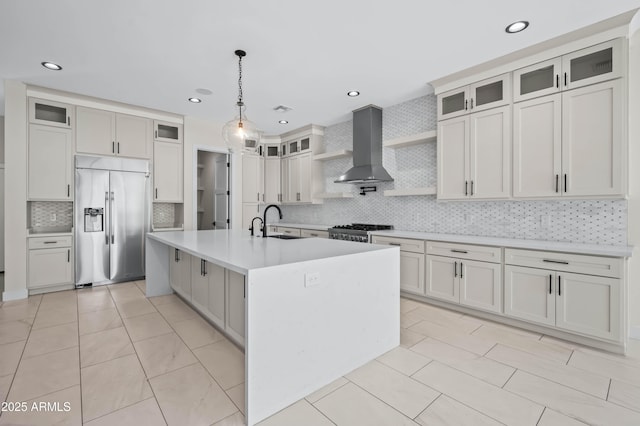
<point>474,155</point>
<point>109,133</point>
<point>272,192</point>
<point>252,178</point>
<point>489,93</point>
<point>50,113</point>
<point>537,80</point>
<point>592,160</point>
<point>50,163</point>
<point>580,68</point>
<point>167,172</point>
<point>167,132</point>
<point>537,147</point>
<point>570,144</point>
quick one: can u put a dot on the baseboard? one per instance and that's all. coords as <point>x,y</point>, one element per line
<point>634,332</point>
<point>15,295</point>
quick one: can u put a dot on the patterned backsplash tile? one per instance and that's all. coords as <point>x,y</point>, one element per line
<point>579,221</point>
<point>51,216</point>
<point>164,215</point>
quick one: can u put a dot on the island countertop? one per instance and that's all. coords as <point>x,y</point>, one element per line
<point>240,252</point>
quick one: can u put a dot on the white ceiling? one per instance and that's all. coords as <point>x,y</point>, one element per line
<point>302,54</point>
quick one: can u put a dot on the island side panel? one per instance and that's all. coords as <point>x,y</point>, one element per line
<point>157,268</point>
<point>303,333</point>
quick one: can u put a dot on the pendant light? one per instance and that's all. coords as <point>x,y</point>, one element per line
<point>240,134</point>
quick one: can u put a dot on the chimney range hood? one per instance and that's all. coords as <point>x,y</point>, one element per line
<point>367,148</point>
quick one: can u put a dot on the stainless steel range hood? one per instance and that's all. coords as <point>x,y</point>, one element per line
<point>367,148</point>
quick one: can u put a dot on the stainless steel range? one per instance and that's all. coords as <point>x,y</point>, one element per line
<point>355,231</point>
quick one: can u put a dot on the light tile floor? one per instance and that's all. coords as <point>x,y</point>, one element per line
<point>118,358</point>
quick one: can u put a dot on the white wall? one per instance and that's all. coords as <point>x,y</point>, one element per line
<point>1,139</point>
<point>634,176</point>
<point>204,133</point>
<point>15,220</point>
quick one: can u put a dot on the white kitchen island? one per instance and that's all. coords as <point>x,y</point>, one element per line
<point>313,309</point>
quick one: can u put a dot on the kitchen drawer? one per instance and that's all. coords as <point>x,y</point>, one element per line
<point>465,251</point>
<point>289,231</point>
<point>312,233</point>
<point>49,242</point>
<point>405,244</point>
<point>577,263</point>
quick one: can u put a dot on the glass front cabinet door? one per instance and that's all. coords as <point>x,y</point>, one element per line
<point>537,80</point>
<point>592,65</point>
<point>485,94</point>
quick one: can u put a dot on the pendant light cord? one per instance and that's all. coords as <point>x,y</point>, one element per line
<point>240,102</point>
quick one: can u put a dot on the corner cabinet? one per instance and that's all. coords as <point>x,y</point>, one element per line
<point>474,155</point>
<point>50,163</point>
<point>108,133</point>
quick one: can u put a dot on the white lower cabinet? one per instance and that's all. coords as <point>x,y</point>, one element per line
<point>467,282</point>
<point>180,272</point>
<point>50,266</point>
<point>411,262</point>
<point>313,233</point>
<point>235,289</point>
<point>199,283</point>
<point>563,298</point>
<point>216,301</point>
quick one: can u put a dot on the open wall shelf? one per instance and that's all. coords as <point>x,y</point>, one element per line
<point>430,190</point>
<point>325,195</point>
<point>417,139</point>
<point>334,155</point>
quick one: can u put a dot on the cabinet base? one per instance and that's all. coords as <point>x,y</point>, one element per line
<point>616,347</point>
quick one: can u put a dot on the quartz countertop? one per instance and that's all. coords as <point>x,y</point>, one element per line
<point>566,247</point>
<point>238,251</point>
<point>302,226</point>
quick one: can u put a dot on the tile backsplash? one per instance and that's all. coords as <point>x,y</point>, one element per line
<point>51,216</point>
<point>579,221</point>
<point>164,215</point>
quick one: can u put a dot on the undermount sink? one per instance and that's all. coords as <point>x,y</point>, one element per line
<point>284,237</point>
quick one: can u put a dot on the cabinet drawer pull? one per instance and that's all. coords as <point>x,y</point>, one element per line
<point>557,180</point>
<point>561,262</point>
<point>459,251</point>
<point>313,235</point>
<point>559,286</point>
<point>550,282</point>
<point>395,244</point>
<point>50,242</point>
<point>455,269</point>
<point>461,270</point>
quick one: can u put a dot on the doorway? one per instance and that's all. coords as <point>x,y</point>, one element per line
<point>212,190</point>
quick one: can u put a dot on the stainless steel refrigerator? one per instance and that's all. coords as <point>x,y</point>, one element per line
<point>112,217</point>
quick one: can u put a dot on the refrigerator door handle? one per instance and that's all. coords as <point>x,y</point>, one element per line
<point>108,218</point>
<point>111,201</point>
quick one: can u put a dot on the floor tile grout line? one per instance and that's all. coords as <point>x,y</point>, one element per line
<point>570,356</point>
<point>637,410</point>
<point>79,358</point>
<point>324,396</point>
<point>609,389</point>
<point>541,414</point>
<point>430,404</point>
<point>15,373</point>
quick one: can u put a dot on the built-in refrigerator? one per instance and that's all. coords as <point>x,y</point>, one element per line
<point>112,217</point>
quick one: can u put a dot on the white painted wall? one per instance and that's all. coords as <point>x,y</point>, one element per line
<point>1,139</point>
<point>15,220</point>
<point>633,228</point>
<point>204,133</point>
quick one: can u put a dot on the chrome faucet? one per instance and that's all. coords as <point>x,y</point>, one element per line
<point>261,224</point>
<point>264,218</point>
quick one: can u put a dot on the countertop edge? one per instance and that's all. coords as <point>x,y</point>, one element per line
<point>557,246</point>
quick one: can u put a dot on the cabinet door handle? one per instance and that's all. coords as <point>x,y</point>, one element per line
<point>557,180</point>
<point>466,184</point>
<point>263,197</point>
<point>565,79</point>
<point>471,188</point>
<point>459,251</point>
<point>156,193</point>
<point>471,104</point>
<point>175,254</point>
<point>461,270</point>
<point>258,194</point>
<point>562,262</point>
<point>68,255</point>
<point>565,182</point>
<point>455,269</point>
<point>550,282</point>
<point>118,147</point>
<point>466,103</point>
<point>68,121</point>
<point>156,134</point>
<point>557,81</point>
<point>204,267</point>
<point>68,190</point>
<point>559,286</point>
<point>113,147</point>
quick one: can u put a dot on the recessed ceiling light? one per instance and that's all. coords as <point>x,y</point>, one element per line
<point>517,26</point>
<point>51,66</point>
<point>195,100</point>
<point>204,91</point>
<point>353,93</point>
<point>283,122</point>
